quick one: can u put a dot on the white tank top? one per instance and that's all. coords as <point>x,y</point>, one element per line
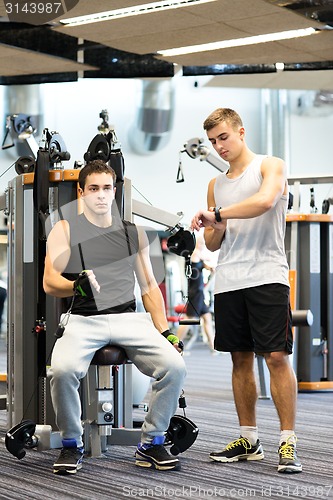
<point>252,252</point>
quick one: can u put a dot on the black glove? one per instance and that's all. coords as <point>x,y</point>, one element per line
<point>82,286</point>
<point>173,339</point>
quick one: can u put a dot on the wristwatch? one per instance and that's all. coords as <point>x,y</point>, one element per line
<point>217,214</point>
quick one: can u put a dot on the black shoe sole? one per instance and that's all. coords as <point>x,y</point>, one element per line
<point>66,472</point>
<point>239,458</point>
<point>150,464</point>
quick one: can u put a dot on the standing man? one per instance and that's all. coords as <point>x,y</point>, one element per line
<point>246,220</point>
<point>94,259</point>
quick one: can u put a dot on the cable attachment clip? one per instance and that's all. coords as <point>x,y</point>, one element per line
<point>182,402</point>
<point>188,270</point>
<point>63,323</point>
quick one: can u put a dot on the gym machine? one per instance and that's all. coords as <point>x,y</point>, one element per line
<point>309,246</point>
<point>31,203</point>
<point>195,148</point>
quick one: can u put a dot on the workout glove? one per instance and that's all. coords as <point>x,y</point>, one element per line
<point>173,339</point>
<point>82,286</point>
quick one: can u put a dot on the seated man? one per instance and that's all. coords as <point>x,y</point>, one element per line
<point>112,252</point>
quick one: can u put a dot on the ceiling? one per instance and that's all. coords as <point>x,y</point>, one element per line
<point>37,48</point>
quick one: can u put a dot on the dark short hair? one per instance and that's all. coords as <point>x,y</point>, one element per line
<point>223,115</point>
<point>95,167</point>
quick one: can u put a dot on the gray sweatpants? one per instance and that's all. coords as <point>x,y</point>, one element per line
<point>145,347</point>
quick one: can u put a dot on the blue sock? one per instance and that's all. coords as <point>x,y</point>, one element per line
<point>71,443</point>
<point>157,440</point>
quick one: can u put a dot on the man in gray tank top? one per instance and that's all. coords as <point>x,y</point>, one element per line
<point>93,259</point>
<point>246,221</point>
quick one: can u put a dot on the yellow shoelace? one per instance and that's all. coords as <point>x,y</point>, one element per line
<point>287,450</point>
<point>243,441</point>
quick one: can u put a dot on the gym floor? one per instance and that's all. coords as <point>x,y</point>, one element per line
<point>210,406</point>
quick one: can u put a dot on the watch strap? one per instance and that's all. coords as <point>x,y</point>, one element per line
<point>217,214</point>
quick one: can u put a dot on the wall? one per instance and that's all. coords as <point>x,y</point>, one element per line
<point>154,175</point>
<point>311,147</point>
<point>72,109</point>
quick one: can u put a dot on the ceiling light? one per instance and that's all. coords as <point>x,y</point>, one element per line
<point>135,10</point>
<point>279,66</point>
<point>237,42</point>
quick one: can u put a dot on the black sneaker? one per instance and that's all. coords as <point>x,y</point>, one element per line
<point>288,458</point>
<point>240,449</point>
<point>155,455</point>
<point>70,458</point>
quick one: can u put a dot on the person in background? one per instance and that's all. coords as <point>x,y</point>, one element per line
<point>196,307</point>
<point>245,221</point>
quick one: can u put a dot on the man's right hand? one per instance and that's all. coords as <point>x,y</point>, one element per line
<point>84,283</point>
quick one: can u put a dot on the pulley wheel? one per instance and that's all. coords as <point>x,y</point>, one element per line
<point>19,437</point>
<point>181,434</point>
<point>99,149</point>
<point>25,164</point>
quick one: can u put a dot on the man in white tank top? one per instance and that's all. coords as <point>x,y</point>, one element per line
<point>246,220</point>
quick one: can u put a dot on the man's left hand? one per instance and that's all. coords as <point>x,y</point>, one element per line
<point>174,340</point>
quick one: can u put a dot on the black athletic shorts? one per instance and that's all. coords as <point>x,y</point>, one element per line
<point>256,319</point>
<point>196,305</point>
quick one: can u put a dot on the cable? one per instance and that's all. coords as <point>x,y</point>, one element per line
<point>330,189</point>
<point>57,334</point>
<point>3,173</point>
<point>142,195</point>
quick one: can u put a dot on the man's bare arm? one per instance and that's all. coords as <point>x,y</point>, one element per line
<point>151,294</point>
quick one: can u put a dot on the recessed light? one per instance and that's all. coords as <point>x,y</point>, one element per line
<point>237,42</point>
<point>135,10</point>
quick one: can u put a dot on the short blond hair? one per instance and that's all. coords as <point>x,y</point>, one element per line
<point>223,115</point>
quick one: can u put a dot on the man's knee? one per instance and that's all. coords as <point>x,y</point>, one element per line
<point>242,361</point>
<point>278,359</point>
<point>175,367</point>
<point>179,368</point>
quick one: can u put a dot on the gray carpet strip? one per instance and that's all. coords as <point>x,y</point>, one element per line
<point>210,405</point>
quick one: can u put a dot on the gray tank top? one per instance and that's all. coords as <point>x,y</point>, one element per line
<point>111,253</point>
<point>252,252</point>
